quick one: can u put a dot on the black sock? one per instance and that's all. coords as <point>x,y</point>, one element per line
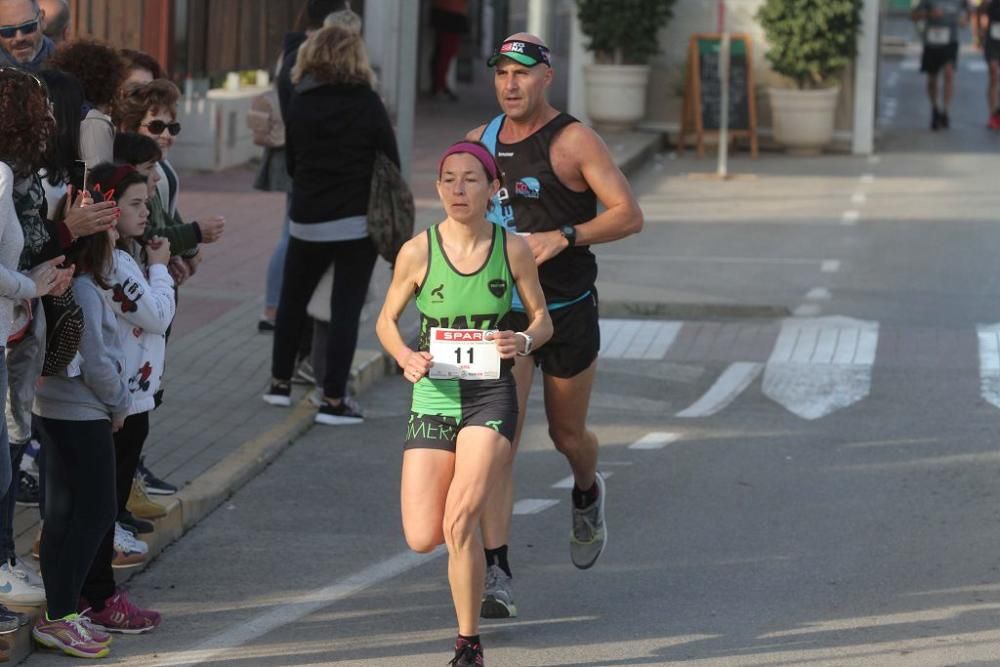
<point>498,557</point>
<point>472,639</point>
<point>582,499</point>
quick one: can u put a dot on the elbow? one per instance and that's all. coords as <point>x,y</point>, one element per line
<point>636,220</point>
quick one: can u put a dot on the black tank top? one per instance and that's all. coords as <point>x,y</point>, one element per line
<point>535,200</point>
<point>993,12</point>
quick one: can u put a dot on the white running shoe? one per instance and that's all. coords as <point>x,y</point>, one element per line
<point>127,542</point>
<point>19,587</point>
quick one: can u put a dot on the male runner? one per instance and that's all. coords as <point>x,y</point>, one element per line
<point>942,19</point>
<point>556,171</point>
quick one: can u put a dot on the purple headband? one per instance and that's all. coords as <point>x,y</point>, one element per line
<point>476,151</point>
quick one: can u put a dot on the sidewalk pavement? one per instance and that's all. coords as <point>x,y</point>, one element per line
<point>213,432</point>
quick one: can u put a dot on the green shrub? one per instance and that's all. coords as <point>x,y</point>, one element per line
<point>811,41</point>
<point>623,32</point>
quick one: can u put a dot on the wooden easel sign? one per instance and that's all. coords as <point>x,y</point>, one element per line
<point>703,91</point>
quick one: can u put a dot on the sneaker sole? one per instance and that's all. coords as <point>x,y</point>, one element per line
<point>123,631</point>
<point>53,643</point>
<point>493,608</point>
<point>27,503</point>
<point>16,601</point>
<point>160,492</point>
<point>329,420</point>
<point>127,566</point>
<point>279,401</point>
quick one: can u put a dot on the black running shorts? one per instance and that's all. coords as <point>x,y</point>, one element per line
<point>489,403</point>
<point>936,57</point>
<point>575,342</point>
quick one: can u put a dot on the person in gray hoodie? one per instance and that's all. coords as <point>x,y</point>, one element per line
<point>77,412</point>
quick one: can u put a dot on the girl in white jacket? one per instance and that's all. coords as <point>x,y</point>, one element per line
<point>142,299</point>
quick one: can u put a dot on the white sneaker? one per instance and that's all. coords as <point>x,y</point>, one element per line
<point>125,541</point>
<point>16,586</point>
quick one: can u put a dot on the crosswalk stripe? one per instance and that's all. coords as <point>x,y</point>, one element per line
<point>568,482</point>
<point>637,339</point>
<point>733,381</point>
<point>533,505</point>
<point>989,362</point>
<point>655,440</point>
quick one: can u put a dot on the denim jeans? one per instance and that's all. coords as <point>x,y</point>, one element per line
<point>276,267</point>
<point>5,466</point>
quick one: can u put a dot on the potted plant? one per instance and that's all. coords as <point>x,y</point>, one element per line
<point>810,42</point>
<point>623,35</point>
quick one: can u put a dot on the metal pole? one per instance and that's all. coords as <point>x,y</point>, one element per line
<point>723,168</point>
<point>406,101</point>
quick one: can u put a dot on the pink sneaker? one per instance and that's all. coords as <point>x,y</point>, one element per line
<point>70,635</point>
<point>121,615</point>
<point>98,635</point>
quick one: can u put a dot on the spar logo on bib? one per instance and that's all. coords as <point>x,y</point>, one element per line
<point>528,188</point>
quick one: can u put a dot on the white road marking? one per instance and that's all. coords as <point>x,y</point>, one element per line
<point>567,483</point>
<point>989,362</point>
<point>655,440</point>
<point>830,266</point>
<point>637,339</point>
<point>867,178</point>
<point>807,310</point>
<point>699,259</point>
<point>821,365</point>
<point>975,65</point>
<point>909,65</point>
<point>818,294</point>
<point>243,632</point>
<point>733,381</point>
<point>874,159</point>
<point>850,217</point>
<point>859,198</point>
<point>533,505</point>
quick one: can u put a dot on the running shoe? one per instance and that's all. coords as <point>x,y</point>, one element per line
<point>20,586</point>
<point>70,635</point>
<point>280,394</point>
<point>945,120</point>
<point>98,635</point>
<point>140,504</point>
<point>10,621</point>
<point>347,413</point>
<point>129,542</point>
<point>498,597</point>
<point>154,485</point>
<point>265,325</point>
<point>28,492</point>
<point>467,654</point>
<point>590,533</point>
<point>122,615</point>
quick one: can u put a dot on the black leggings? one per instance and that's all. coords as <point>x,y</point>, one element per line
<point>79,505</point>
<point>305,264</point>
<point>100,582</point>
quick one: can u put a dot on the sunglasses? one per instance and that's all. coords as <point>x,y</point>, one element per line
<point>27,28</point>
<point>17,71</point>
<point>158,126</point>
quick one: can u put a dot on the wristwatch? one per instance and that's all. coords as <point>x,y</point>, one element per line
<point>528,340</point>
<point>569,233</point>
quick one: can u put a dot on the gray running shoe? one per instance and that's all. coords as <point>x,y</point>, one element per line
<point>590,533</point>
<point>498,598</point>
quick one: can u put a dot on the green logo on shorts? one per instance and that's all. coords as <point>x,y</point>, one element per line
<point>495,424</point>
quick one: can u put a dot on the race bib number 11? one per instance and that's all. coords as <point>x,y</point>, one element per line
<point>939,36</point>
<point>463,354</point>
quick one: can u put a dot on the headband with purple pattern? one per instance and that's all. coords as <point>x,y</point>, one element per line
<point>477,151</point>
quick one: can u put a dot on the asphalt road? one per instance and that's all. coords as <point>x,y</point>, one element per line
<point>820,489</point>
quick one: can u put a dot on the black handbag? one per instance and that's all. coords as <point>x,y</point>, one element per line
<point>63,331</point>
<point>390,208</point>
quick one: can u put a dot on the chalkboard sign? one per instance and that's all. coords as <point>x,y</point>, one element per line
<point>703,90</point>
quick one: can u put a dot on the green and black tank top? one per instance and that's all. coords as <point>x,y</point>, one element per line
<point>450,299</point>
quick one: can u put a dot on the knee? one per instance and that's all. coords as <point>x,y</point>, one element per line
<point>423,544</point>
<point>566,437</point>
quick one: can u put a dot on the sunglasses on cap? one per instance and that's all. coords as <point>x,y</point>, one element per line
<point>26,28</point>
<point>20,72</point>
<point>158,126</point>
<point>525,53</point>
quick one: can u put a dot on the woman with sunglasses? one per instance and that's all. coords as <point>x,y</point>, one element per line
<point>150,109</point>
<point>101,71</point>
